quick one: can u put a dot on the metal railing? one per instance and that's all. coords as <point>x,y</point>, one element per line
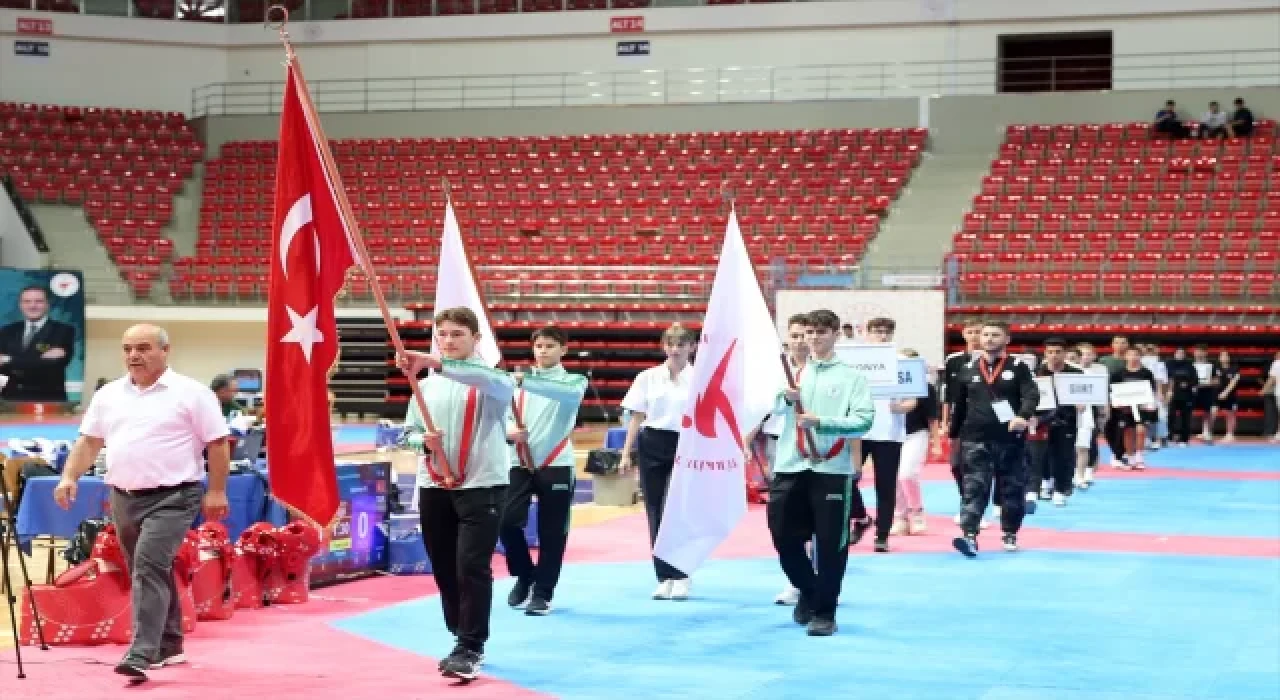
<point>747,84</point>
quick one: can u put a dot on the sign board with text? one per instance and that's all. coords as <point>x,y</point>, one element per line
<point>34,49</point>
<point>34,25</point>
<point>633,48</point>
<point>877,362</point>
<point>1135,394</point>
<point>626,25</point>
<point>913,381</point>
<point>1082,389</point>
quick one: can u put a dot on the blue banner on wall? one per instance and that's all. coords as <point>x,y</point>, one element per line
<point>31,48</point>
<point>633,48</point>
<point>42,335</point>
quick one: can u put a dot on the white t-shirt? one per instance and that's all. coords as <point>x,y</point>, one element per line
<point>156,436</point>
<point>888,426</point>
<point>661,400</point>
<point>1274,373</point>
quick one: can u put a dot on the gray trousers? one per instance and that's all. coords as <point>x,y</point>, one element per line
<point>151,526</point>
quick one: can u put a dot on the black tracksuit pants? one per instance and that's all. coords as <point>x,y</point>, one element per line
<point>1181,408</point>
<point>553,486</point>
<point>1053,458</point>
<point>460,531</point>
<point>1002,462</point>
<point>656,459</point>
<point>885,459</point>
<point>808,505</point>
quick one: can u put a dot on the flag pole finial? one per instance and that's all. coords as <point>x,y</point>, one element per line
<point>726,193</point>
<point>280,13</point>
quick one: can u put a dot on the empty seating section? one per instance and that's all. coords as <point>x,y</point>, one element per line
<point>122,166</point>
<point>636,216</point>
<point>1106,212</point>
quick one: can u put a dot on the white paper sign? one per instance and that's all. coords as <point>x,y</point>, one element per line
<point>913,381</point>
<point>1082,389</point>
<point>1004,412</point>
<point>1132,394</point>
<point>879,362</point>
<point>1048,401</point>
<point>1204,370</point>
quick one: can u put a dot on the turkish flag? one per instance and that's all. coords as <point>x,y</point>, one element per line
<point>313,249</point>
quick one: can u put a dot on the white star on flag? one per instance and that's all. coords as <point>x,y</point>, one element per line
<point>304,331</point>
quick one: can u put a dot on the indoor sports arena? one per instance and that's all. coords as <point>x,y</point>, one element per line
<point>709,349</point>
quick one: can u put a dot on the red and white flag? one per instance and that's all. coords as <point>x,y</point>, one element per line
<point>456,286</point>
<point>313,249</point>
<point>735,382</point>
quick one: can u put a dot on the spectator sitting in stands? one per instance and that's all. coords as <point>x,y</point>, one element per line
<point>1241,125</point>
<point>1168,123</point>
<point>1213,125</point>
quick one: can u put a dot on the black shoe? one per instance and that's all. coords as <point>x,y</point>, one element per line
<point>859,529</point>
<point>1031,508</point>
<point>1010,542</point>
<point>463,664</point>
<point>967,545</point>
<point>520,593</point>
<point>457,649</point>
<point>802,613</point>
<point>821,627</point>
<point>538,606</point>
<point>172,657</point>
<point>882,544</point>
<point>135,667</point>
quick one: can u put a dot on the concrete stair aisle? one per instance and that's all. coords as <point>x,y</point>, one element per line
<point>183,230</point>
<point>918,231</point>
<point>73,244</point>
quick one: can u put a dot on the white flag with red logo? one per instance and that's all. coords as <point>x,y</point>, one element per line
<point>456,286</point>
<point>735,382</point>
<point>313,249</point>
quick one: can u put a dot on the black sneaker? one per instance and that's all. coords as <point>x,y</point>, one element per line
<point>135,667</point>
<point>882,544</point>
<point>538,606</point>
<point>802,613</point>
<point>821,627</point>
<point>520,593</point>
<point>463,664</point>
<point>1031,508</point>
<point>1010,542</point>
<point>457,649</point>
<point>173,657</point>
<point>859,529</point>
<point>967,545</point>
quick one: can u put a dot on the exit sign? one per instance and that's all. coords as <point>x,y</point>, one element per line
<point>620,25</point>
<point>34,25</point>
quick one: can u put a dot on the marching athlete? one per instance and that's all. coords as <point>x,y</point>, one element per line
<point>1131,432</point>
<point>461,508</point>
<point>1052,438</point>
<point>656,399</point>
<point>995,398</point>
<point>542,455</point>
<point>955,362</point>
<point>882,444</point>
<point>811,493</point>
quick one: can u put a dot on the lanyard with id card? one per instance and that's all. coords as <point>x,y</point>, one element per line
<point>1002,409</point>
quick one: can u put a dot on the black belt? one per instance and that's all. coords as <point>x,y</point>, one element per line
<point>663,431</point>
<point>157,489</point>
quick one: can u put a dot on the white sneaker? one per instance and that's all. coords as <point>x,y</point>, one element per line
<point>680,589</point>
<point>957,519</point>
<point>1229,438</point>
<point>1032,496</point>
<point>663,592</point>
<point>1059,499</point>
<point>900,526</point>
<point>918,525</point>
<point>995,511</point>
<point>789,596</point>
<point>1046,490</point>
<point>1088,476</point>
<point>984,524</point>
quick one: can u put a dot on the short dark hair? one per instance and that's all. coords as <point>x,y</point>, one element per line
<point>35,288</point>
<point>996,323</point>
<point>1202,346</point>
<point>972,323</point>
<point>1133,348</point>
<point>460,315</point>
<point>552,333</point>
<point>220,382</point>
<point>825,318</point>
<point>882,323</point>
<point>799,320</point>
<point>1119,336</point>
<point>1055,342</point>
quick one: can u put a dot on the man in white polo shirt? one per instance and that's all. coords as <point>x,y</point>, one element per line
<point>157,423</point>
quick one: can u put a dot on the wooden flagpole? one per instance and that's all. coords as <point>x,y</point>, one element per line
<point>350,222</point>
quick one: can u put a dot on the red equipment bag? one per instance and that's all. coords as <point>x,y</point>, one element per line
<point>290,580</point>
<point>255,553</point>
<point>86,605</point>
<point>211,584</point>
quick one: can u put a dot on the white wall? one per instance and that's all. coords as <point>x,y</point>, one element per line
<point>155,64</point>
<point>16,247</point>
